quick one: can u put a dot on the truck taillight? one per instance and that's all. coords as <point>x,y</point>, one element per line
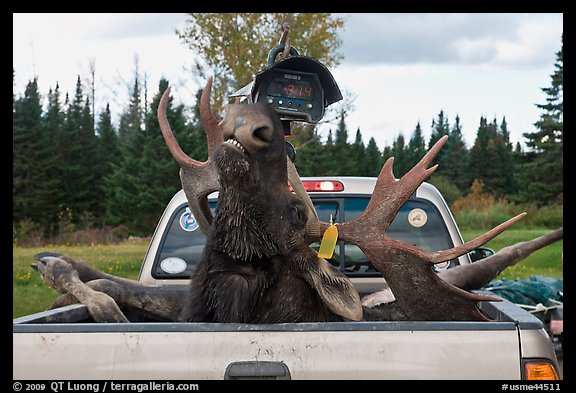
<point>323,185</point>
<point>539,370</point>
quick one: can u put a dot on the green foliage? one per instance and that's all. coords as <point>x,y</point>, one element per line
<point>543,167</point>
<point>447,188</point>
<point>234,46</point>
<point>481,209</point>
<point>146,176</point>
<point>551,216</point>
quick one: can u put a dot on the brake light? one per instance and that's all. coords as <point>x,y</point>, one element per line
<point>539,370</point>
<point>322,185</point>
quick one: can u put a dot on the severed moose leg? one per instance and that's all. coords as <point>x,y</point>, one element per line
<point>60,275</point>
<point>102,294</point>
<point>86,272</point>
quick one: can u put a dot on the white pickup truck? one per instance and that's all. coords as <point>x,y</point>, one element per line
<point>65,343</point>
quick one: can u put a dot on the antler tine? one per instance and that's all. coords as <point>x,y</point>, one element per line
<point>199,179</point>
<point>455,252</point>
<point>182,158</point>
<point>209,121</point>
<point>420,294</point>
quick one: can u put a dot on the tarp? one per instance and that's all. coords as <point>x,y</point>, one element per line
<point>530,291</point>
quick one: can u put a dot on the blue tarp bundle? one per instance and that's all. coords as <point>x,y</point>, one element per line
<point>530,291</point>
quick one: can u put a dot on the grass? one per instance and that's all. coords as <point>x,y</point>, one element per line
<point>31,294</point>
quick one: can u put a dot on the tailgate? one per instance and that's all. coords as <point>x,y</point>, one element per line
<point>338,350</point>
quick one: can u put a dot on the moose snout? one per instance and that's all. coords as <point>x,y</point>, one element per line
<point>253,129</point>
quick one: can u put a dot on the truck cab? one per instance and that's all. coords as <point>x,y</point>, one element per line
<point>424,220</point>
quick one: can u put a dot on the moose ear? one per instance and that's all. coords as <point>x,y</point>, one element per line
<point>336,290</point>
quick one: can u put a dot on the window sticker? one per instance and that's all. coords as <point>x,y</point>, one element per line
<point>173,265</point>
<point>417,217</point>
<point>188,221</point>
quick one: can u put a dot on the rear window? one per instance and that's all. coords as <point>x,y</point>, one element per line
<point>418,223</point>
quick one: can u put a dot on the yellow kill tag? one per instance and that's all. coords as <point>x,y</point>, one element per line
<point>328,242</point>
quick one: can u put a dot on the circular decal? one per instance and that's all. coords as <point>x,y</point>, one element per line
<point>417,217</point>
<point>173,265</point>
<point>188,221</point>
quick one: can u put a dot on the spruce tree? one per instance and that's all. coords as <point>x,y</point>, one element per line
<point>311,157</point>
<point>543,167</point>
<point>483,156</point>
<point>416,148</point>
<point>28,149</point>
<point>455,158</point>
<point>329,165</point>
<point>107,156</point>
<point>374,158</point>
<point>401,158</point>
<point>52,125</point>
<point>146,176</point>
<point>131,119</point>
<point>87,197</point>
<point>358,156</point>
<point>440,127</point>
<point>505,182</point>
<point>343,164</point>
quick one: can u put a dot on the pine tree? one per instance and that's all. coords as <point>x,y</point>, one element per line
<point>329,165</point>
<point>87,199</point>
<point>455,158</point>
<point>416,147</point>
<point>311,157</point>
<point>107,156</point>
<point>131,119</point>
<point>481,164</point>
<point>440,127</point>
<point>52,125</point>
<point>343,165</point>
<point>400,153</point>
<point>358,156</point>
<point>146,177</point>
<point>505,182</point>
<point>28,149</point>
<point>75,183</point>
<point>543,167</point>
<point>374,158</point>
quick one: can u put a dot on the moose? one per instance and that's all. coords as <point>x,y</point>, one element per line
<point>257,266</point>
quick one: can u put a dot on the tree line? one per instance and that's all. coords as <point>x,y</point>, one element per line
<point>73,168</point>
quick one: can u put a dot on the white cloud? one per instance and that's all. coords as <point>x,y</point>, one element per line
<point>403,68</point>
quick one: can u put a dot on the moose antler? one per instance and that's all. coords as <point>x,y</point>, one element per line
<point>199,179</point>
<point>420,294</point>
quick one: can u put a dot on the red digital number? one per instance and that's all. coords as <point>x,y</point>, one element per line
<point>308,91</point>
<point>300,91</point>
<point>289,89</point>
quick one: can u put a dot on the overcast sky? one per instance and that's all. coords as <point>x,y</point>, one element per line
<point>402,68</point>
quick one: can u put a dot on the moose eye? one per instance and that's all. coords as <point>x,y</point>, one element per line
<point>297,214</point>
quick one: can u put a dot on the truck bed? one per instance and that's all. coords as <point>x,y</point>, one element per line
<point>52,344</point>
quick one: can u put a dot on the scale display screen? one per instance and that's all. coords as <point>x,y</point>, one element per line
<point>295,95</point>
<point>301,89</point>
